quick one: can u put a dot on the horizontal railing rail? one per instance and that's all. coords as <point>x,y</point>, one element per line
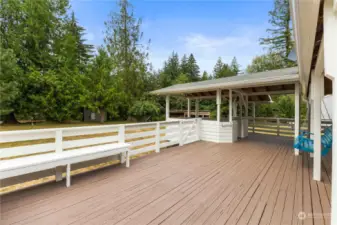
<point>143,137</point>
<point>278,126</point>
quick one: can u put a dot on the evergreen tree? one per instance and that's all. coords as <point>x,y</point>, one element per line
<point>78,53</point>
<point>170,71</point>
<point>101,87</point>
<point>222,70</point>
<point>235,67</point>
<point>280,39</point>
<point>184,67</point>
<point>193,69</point>
<point>10,74</point>
<point>123,41</point>
<point>205,76</point>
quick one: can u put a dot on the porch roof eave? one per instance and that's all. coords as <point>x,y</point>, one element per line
<point>261,79</point>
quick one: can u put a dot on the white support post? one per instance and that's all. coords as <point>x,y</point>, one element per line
<point>242,126</point>
<point>253,110</point>
<point>58,149</point>
<point>121,139</point>
<point>127,155</point>
<point>235,109</point>
<point>330,67</point>
<point>158,137</point>
<point>218,104</point>
<point>181,133</point>
<point>230,106</point>
<point>297,113</point>
<point>121,134</point>
<point>188,108</point>
<point>334,155</point>
<point>167,112</point>
<point>246,107</point>
<point>68,175</point>
<point>197,108</point>
<point>316,78</point>
<point>198,121</point>
<point>58,141</point>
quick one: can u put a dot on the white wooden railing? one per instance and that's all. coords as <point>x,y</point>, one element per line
<point>143,137</point>
<point>278,126</point>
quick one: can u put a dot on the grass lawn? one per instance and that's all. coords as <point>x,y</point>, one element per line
<point>44,125</point>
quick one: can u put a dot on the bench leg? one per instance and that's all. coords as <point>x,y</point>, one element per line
<point>122,157</point>
<point>127,164</point>
<point>68,181</point>
<point>58,173</point>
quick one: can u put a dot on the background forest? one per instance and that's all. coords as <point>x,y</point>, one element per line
<point>49,71</point>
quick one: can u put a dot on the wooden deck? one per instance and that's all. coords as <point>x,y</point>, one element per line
<point>254,181</point>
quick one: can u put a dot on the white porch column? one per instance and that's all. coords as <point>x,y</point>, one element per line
<point>197,108</point>
<point>167,107</point>
<point>230,106</point>
<point>317,97</point>
<point>297,113</point>
<point>334,152</point>
<point>218,104</point>
<point>330,66</point>
<point>246,107</point>
<point>188,107</point>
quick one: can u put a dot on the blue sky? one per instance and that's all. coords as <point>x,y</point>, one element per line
<point>208,29</point>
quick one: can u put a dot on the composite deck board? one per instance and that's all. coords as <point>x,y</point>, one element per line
<point>256,181</point>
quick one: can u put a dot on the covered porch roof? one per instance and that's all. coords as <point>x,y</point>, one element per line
<point>258,86</point>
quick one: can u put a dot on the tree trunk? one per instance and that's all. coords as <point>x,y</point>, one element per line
<point>102,115</point>
<point>10,119</point>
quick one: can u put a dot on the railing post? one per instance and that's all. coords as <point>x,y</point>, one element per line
<point>181,133</point>
<point>121,134</point>
<point>58,141</point>
<point>254,125</point>
<point>121,139</point>
<point>58,149</point>
<point>278,126</point>
<point>198,131</point>
<point>158,137</point>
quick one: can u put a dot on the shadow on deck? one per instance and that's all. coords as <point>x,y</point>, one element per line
<point>257,180</point>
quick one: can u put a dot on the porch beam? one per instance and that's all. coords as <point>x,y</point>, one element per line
<point>297,113</point>
<point>167,111</point>
<point>271,92</point>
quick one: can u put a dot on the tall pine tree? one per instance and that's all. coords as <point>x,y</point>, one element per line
<point>280,39</point>
<point>193,69</point>
<point>222,70</point>
<point>123,41</point>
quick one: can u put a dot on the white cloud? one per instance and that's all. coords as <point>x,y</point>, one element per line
<point>242,42</point>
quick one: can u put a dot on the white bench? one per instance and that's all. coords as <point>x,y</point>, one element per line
<point>58,157</point>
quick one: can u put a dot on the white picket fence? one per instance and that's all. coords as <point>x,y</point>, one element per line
<point>143,137</point>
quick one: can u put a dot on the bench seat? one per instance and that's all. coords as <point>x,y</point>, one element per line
<point>30,164</point>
